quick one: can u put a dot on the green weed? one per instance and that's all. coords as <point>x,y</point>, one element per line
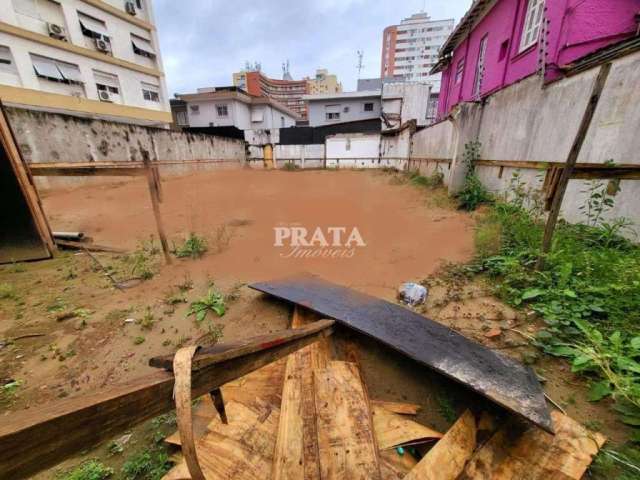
<point>9,392</point>
<point>7,292</point>
<point>446,409</point>
<point>290,167</point>
<point>148,319</point>
<point>212,302</point>
<point>473,192</point>
<point>89,470</point>
<point>149,464</point>
<point>138,340</point>
<point>193,247</point>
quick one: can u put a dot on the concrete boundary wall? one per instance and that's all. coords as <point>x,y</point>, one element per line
<point>529,122</point>
<point>52,138</point>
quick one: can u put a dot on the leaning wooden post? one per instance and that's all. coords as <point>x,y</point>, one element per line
<point>153,179</point>
<point>567,170</point>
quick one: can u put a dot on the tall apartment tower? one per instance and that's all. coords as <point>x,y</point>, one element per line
<point>89,58</point>
<point>411,49</point>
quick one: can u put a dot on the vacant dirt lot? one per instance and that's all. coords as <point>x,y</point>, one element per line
<point>237,210</point>
<point>110,334</point>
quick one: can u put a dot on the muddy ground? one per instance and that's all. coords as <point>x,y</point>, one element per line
<point>410,234</point>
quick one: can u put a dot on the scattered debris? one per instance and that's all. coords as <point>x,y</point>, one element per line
<point>412,294</point>
<point>495,376</point>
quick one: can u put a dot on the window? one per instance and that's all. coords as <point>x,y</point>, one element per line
<point>106,82</point>
<point>532,22</point>
<point>150,92</point>
<point>195,109</point>
<point>368,107</point>
<point>56,71</point>
<point>142,46</point>
<point>333,115</point>
<point>482,50</point>
<point>181,118</point>
<point>6,61</point>
<point>139,5</point>
<point>92,27</point>
<point>222,110</point>
<point>459,71</point>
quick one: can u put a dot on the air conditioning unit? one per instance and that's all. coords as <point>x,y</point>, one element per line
<point>102,45</point>
<point>130,8</point>
<point>56,31</point>
<point>104,96</point>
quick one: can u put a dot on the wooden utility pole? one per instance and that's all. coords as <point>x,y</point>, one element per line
<point>153,179</point>
<point>567,170</point>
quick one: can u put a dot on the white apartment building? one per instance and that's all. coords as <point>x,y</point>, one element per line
<point>91,58</point>
<point>233,107</point>
<point>411,48</point>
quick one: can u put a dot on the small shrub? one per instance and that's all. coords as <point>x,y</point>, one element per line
<point>290,166</point>
<point>212,302</point>
<point>473,192</point>
<point>432,181</point>
<point>7,292</point>
<point>89,470</point>
<point>193,247</point>
<point>138,340</point>
<point>9,392</point>
<point>148,319</point>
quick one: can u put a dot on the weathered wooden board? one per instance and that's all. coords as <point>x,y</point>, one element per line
<point>31,441</point>
<point>394,466</point>
<point>393,430</point>
<point>517,452</point>
<point>497,377</point>
<point>242,449</point>
<point>398,407</point>
<point>297,445</point>
<point>346,441</point>
<point>447,459</point>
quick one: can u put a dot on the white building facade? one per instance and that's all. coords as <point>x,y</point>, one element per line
<point>343,107</point>
<point>232,107</point>
<point>410,49</point>
<point>91,58</point>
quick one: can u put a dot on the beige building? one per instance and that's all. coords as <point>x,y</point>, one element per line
<point>90,58</point>
<point>324,82</point>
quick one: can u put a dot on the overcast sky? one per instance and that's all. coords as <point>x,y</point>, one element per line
<point>204,41</point>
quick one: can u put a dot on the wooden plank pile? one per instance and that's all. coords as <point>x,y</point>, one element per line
<point>309,416</point>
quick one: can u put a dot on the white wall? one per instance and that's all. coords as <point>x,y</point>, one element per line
<point>318,109</point>
<point>353,151</point>
<point>239,115</point>
<point>120,31</point>
<point>526,122</point>
<point>303,156</point>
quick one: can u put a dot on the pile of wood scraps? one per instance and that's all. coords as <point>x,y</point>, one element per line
<point>310,416</point>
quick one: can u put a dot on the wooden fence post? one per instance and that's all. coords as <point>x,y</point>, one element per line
<point>567,170</point>
<point>153,180</point>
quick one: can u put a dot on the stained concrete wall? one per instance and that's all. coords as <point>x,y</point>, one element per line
<point>434,142</point>
<point>303,156</point>
<point>526,122</point>
<point>47,137</point>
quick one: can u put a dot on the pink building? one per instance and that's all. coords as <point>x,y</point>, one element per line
<point>499,42</point>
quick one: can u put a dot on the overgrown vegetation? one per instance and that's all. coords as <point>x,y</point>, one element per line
<point>587,293</point>
<point>193,247</point>
<point>473,192</point>
<point>89,470</point>
<point>149,464</point>
<point>142,263</point>
<point>432,181</point>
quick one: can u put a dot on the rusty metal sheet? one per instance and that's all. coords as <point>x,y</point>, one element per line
<point>495,376</point>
